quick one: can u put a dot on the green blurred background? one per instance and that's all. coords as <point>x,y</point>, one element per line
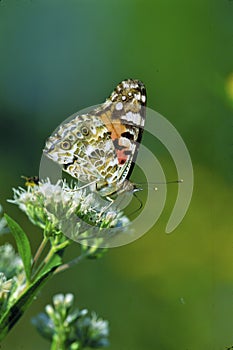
<point>163,292</point>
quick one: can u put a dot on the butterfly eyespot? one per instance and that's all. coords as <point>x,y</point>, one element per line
<point>66,145</point>
<point>79,135</point>
<point>71,137</point>
<point>85,131</point>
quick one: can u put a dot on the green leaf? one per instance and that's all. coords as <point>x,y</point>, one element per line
<point>15,312</point>
<point>23,244</point>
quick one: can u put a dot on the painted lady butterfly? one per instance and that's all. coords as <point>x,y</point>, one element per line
<point>100,147</point>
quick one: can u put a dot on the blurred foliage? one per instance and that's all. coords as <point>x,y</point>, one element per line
<point>57,57</point>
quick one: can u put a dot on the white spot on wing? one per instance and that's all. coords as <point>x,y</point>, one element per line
<point>129,116</point>
<point>113,96</point>
<point>123,141</point>
<point>89,150</point>
<point>119,106</point>
<point>137,119</point>
<point>125,85</point>
<point>143,98</point>
<point>133,117</point>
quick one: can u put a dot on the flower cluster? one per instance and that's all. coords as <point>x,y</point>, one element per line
<point>10,262</point>
<point>5,285</point>
<point>12,276</point>
<point>3,223</point>
<point>68,209</point>
<point>70,328</point>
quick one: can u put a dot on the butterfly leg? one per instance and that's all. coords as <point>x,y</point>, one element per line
<point>106,207</point>
<point>83,186</point>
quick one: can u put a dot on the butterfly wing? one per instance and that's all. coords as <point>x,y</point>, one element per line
<point>102,146</point>
<point>124,114</point>
<point>84,147</point>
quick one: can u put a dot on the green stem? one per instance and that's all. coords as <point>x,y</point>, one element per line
<point>17,309</point>
<point>75,261</point>
<point>56,249</point>
<point>39,251</point>
<point>53,250</point>
<point>70,263</point>
<point>58,343</point>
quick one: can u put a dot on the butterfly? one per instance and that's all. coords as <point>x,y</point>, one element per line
<point>100,148</point>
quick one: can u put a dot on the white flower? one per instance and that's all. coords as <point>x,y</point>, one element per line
<point>10,262</point>
<point>49,309</point>
<point>12,275</point>
<point>71,210</point>
<point>99,325</point>
<point>3,222</point>
<point>69,299</point>
<point>5,285</point>
<point>19,284</point>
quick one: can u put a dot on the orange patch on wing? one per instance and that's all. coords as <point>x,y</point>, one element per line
<point>116,128</point>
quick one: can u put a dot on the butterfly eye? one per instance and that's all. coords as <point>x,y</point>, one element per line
<point>85,131</point>
<point>66,145</point>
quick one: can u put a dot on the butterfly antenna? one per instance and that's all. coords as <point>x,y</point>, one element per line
<point>160,183</point>
<point>170,182</point>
